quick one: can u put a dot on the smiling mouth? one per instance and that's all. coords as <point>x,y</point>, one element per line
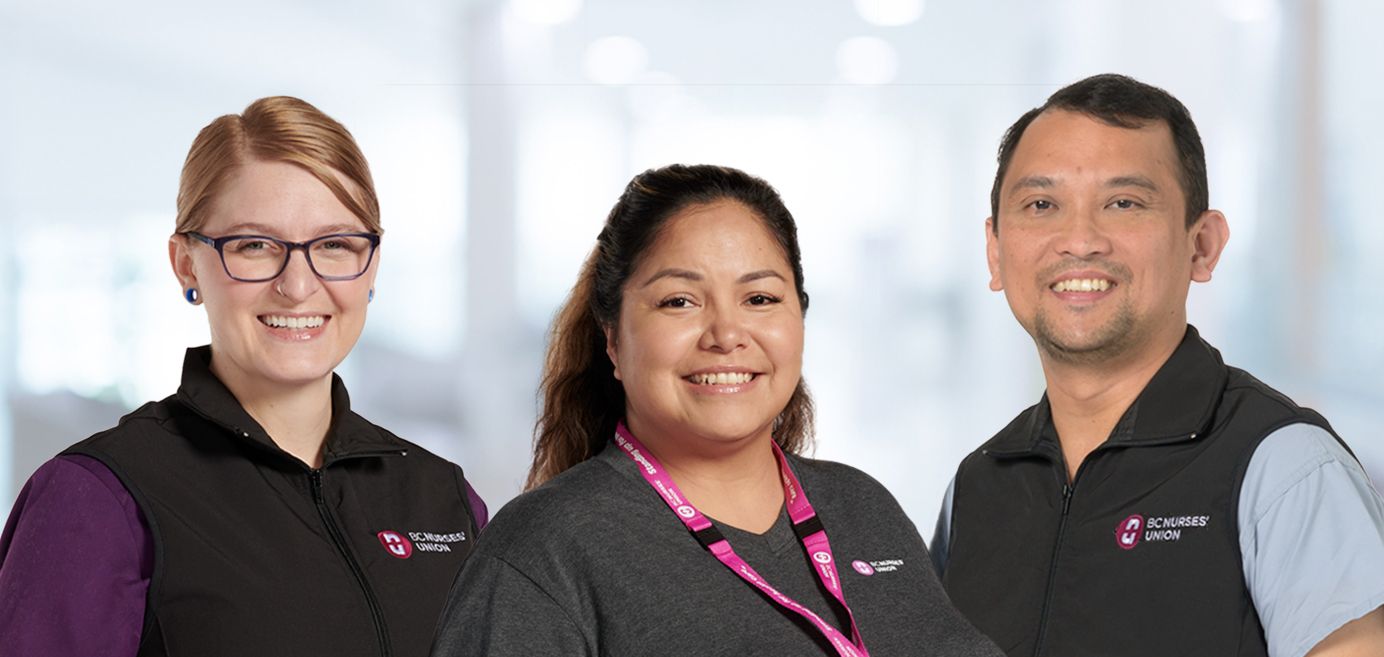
<point>292,323</point>
<point>1082,285</point>
<point>722,378</point>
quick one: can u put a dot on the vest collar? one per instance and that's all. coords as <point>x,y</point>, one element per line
<point>1177,404</point>
<point>350,435</point>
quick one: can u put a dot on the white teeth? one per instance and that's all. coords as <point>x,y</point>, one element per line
<point>1081,285</point>
<point>292,323</point>
<point>721,378</point>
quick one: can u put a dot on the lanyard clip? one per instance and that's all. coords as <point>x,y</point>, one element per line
<point>808,527</point>
<point>709,536</point>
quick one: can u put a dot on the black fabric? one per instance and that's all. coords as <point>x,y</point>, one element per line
<point>258,554</point>
<point>594,562</point>
<point>1040,566</point>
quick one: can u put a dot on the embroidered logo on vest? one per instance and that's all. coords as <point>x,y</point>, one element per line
<point>396,544</point>
<point>1136,528</point>
<point>1128,531</point>
<point>862,567</point>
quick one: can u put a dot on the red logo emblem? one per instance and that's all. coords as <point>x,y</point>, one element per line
<point>396,544</point>
<point>1127,533</point>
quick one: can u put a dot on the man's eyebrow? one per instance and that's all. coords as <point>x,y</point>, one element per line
<point>674,273</point>
<point>1131,181</point>
<point>1032,182</point>
<point>756,275</point>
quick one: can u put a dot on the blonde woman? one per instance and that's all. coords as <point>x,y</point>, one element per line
<point>252,513</point>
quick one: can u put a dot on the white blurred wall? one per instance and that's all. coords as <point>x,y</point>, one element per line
<point>500,134</point>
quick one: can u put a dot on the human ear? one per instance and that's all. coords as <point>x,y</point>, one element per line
<point>1208,237</point>
<point>180,257</point>
<point>992,254</point>
<point>611,351</point>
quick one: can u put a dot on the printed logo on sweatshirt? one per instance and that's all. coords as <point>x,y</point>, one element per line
<point>403,545</point>
<point>868,568</point>
<point>1156,529</point>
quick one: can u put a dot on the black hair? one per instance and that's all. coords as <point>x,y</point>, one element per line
<point>582,400</point>
<point>1123,102</point>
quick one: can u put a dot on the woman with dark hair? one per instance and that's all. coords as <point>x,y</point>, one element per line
<point>252,513</point>
<point>670,511</point>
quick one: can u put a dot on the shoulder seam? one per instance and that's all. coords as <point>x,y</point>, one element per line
<point>565,612</point>
<point>1290,482</point>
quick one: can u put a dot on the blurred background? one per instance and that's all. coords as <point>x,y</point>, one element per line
<point>500,133</point>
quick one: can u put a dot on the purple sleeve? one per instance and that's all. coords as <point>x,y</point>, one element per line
<point>75,562</point>
<point>477,507</point>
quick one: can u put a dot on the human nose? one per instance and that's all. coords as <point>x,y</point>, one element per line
<point>1082,235</point>
<point>724,331</point>
<point>297,281</point>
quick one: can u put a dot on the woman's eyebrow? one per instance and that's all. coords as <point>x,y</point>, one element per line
<point>756,275</point>
<point>690,275</point>
<point>674,273</point>
<point>253,228</point>
<point>248,228</point>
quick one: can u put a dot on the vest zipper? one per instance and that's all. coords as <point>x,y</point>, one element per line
<point>1067,489</point>
<point>375,612</point>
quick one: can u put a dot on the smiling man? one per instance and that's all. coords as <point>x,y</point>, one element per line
<point>1155,501</point>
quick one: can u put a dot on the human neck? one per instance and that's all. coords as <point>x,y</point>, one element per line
<point>296,416</point>
<point>1087,400</point>
<point>734,483</point>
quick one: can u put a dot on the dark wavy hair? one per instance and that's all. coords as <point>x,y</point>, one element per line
<point>1123,102</point>
<point>582,400</point>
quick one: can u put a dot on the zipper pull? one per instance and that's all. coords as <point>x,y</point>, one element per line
<point>315,476</point>
<point>1066,498</point>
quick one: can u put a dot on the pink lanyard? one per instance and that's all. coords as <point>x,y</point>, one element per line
<point>805,524</point>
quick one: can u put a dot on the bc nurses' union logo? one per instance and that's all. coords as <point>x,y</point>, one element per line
<point>1129,531</point>
<point>396,544</point>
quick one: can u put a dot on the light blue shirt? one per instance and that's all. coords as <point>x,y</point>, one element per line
<point>1311,538</point>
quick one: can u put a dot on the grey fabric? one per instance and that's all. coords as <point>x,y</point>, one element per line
<point>594,563</point>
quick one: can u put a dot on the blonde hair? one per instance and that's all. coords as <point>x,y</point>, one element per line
<point>275,129</point>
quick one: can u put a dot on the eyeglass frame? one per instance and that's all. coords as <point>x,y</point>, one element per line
<point>219,242</point>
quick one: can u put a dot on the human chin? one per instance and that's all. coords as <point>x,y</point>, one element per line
<point>738,416</point>
<point>295,366</point>
<point>306,356</point>
<point>1078,345</point>
<point>728,426</point>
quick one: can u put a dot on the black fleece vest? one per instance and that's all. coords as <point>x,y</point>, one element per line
<point>1140,555</point>
<point>257,554</point>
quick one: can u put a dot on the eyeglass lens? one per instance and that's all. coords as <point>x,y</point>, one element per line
<point>338,256</point>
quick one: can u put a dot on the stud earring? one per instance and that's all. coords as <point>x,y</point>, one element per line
<point>191,295</point>
<point>371,297</point>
